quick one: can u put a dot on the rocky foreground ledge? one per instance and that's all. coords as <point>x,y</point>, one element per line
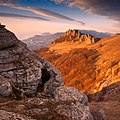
<point>32,89</point>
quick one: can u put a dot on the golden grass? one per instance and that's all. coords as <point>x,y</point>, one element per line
<point>91,73</point>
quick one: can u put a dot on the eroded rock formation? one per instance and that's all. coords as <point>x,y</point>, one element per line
<point>22,69</point>
<point>75,35</point>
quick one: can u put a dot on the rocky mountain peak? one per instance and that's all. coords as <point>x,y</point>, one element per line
<point>75,35</point>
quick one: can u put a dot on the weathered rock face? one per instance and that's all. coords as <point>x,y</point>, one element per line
<point>70,93</point>
<point>7,38</point>
<point>21,68</point>
<point>51,109</point>
<point>75,35</point>
<point>5,87</point>
<point>51,78</point>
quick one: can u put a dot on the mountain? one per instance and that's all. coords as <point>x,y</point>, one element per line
<point>45,39</point>
<point>44,34</point>
<point>87,67</point>
<point>31,88</point>
<point>97,34</point>
<point>39,41</point>
<point>91,68</point>
<point>76,36</point>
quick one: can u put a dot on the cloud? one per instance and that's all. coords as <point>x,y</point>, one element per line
<point>9,1</point>
<point>21,16</point>
<point>109,8</point>
<point>43,12</point>
<point>48,13</point>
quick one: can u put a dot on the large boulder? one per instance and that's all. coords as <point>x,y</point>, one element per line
<point>49,109</point>
<point>22,69</point>
<point>70,93</point>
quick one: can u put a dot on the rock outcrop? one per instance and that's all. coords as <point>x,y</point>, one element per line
<point>39,85</point>
<point>70,93</point>
<point>109,93</point>
<point>75,35</point>
<point>21,68</point>
<point>65,108</point>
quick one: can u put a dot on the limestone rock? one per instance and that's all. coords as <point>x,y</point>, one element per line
<point>51,78</point>
<point>5,87</point>
<point>23,70</point>
<point>75,35</point>
<point>74,111</point>
<point>50,109</point>
<point>70,93</point>
<point>7,38</point>
<point>54,82</point>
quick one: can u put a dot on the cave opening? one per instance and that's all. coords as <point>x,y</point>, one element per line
<point>45,77</point>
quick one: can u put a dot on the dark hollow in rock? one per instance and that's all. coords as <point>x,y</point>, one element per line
<point>45,76</point>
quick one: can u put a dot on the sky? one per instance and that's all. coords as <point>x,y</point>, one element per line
<point>27,18</point>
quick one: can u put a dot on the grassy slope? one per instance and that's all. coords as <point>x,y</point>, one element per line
<point>89,68</point>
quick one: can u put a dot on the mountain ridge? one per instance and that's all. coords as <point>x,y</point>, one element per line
<point>102,56</point>
<point>45,39</point>
<point>76,36</point>
<point>39,41</point>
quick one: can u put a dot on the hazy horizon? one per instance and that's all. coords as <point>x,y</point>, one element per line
<point>33,17</point>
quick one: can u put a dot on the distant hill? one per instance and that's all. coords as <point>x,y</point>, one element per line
<point>97,34</point>
<point>45,39</point>
<point>88,67</point>
<point>39,41</point>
